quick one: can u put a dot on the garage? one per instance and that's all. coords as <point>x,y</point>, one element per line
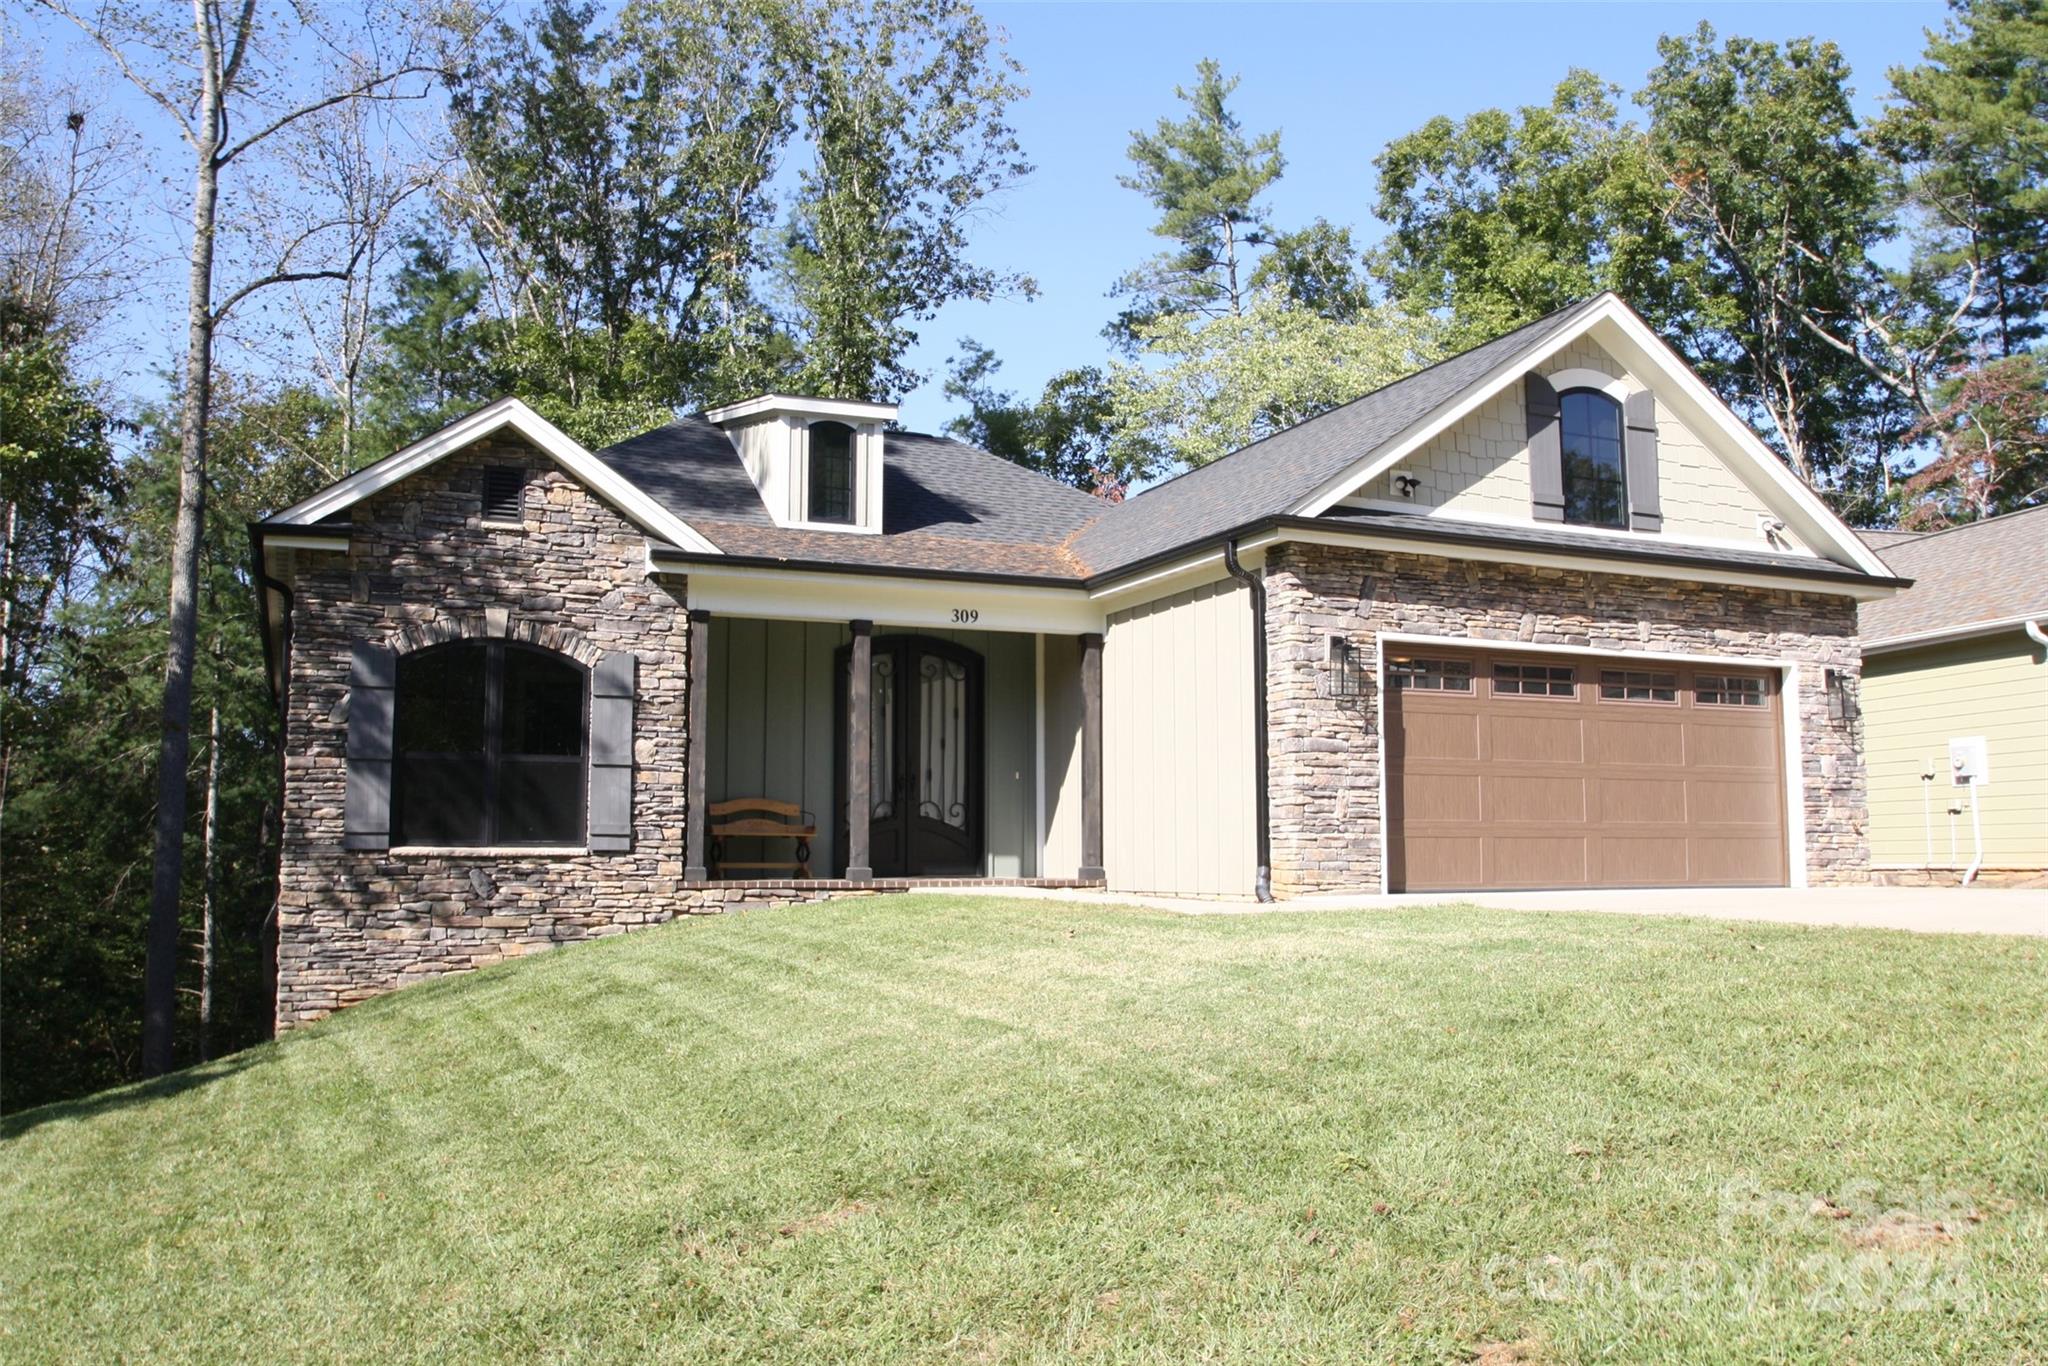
<point>1511,770</point>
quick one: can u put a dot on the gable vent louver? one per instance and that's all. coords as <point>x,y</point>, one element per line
<point>504,493</point>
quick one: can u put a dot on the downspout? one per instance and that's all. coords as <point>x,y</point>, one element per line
<point>1256,584</point>
<point>2037,635</point>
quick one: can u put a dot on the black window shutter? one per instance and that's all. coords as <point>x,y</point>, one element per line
<point>366,807</point>
<point>1546,450</point>
<point>1645,511</point>
<point>611,752</point>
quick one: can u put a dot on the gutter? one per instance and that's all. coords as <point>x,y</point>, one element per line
<point>1256,585</point>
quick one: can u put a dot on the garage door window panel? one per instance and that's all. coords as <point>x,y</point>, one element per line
<point>1629,685</point>
<point>1729,690</point>
<point>1430,675</point>
<point>1535,680</point>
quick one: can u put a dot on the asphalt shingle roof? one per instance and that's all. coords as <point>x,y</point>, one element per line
<point>1993,570</point>
<point>1274,475</point>
<point>945,505</point>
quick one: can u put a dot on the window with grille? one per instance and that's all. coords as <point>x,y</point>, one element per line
<point>1430,675</point>
<point>1595,481</point>
<point>504,493</point>
<point>1728,690</point>
<point>1629,685</point>
<point>831,472</point>
<point>1534,680</point>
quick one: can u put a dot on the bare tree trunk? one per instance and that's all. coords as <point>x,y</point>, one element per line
<point>206,933</point>
<point>160,970</point>
<point>6,642</point>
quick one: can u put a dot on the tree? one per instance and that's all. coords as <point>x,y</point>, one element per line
<point>1205,177</point>
<point>207,80</point>
<point>614,187</point>
<point>905,104</point>
<point>1320,268</point>
<point>1778,206</point>
<point>1967,140</point>
<point>1209,386</point>
<point>1064,434</point>
<point>1992,434</point>
<point>1506,216</point>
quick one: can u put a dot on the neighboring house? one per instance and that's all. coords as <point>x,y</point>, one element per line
<point>1961,656</point>
<point>1543,615</point>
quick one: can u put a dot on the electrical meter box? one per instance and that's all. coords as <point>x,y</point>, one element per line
<point>1969,762</point>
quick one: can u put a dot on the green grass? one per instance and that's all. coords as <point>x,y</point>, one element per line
<point>966,1128</point>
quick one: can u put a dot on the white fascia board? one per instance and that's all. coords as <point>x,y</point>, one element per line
<point>858,410</point>
<point>1644,538</point>
<point>812,595</point>
<point>1591,564</point>
<point>1642,352</point>
<point>599,477</point>
<point>1947,633</point>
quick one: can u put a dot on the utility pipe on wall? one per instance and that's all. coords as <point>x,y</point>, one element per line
<point>1256,586</point>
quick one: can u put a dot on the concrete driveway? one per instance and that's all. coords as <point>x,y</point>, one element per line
<point>1923,910</point>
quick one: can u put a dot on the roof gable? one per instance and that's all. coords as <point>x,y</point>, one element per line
<point>645,512</point>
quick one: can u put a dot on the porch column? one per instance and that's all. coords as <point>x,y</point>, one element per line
<point>695,818</point>
<point>1091,757</point>
<point>859,806</point>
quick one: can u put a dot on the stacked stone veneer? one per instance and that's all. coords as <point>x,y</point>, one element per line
<point>422,567</point>
<point>1325,752</point>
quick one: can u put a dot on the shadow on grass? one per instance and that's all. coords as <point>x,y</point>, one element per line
<point>135,1093</point>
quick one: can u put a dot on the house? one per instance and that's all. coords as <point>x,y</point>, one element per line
<point>1956,667</point>
<point>1546,614</point>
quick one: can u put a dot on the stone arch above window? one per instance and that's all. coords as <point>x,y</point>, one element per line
<point>494,624</point>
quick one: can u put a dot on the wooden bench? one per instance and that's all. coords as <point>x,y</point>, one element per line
<point>760,818</point>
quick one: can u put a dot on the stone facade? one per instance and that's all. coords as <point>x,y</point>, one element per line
<point>1325,752</point>
<point>423,567</point>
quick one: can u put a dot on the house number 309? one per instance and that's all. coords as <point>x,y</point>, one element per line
<point>966,616</point>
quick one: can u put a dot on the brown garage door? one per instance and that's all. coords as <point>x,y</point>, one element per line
<point>1513,770</point>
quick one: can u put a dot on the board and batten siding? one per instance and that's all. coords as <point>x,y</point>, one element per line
<point>1914,703</point>
<point>1178,810</point>
<point>770,714</point>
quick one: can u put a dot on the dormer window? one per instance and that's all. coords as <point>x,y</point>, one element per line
<point>831,472</point>
<point>816,461</point>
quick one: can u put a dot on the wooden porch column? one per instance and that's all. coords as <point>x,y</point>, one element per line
<point>1091,757</point>
<point>695,818</point>
<point>859,805</point>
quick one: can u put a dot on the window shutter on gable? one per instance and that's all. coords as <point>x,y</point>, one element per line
<point>1645,510</point>
<point>1546,450</point>
<point>366,806</point>
<point>611,753</point>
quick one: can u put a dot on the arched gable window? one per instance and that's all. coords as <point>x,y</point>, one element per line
<point>831,472</point>
<point>1595,479</point>
<point>489,746</point>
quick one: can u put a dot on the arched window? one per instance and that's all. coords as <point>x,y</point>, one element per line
<point>831,472</point>
<point>1595,485</point>
<point>489,746</point>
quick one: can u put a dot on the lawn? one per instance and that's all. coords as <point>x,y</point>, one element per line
<point>964,1128</point>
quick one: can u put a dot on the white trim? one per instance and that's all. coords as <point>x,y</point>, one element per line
<point>1651,539</point>
<point>811,595</point>
<point>1935,637</point>
<point>505,851</point>
<point>859,410</point>
<point>1584,377</point>
<point>841,528</point>
<point>335,544</point>
<point>1785,493</point>
<point>1791,726</point>
<point>606,482</point>
<point>1643,569</point>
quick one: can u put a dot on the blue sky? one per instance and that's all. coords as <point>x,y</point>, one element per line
<point>1339,81</point>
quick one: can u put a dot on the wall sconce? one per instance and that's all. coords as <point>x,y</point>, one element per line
<point>1342,674</point>
<point>1841,697</point>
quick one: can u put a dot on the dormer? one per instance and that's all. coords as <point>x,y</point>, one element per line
<point>816,461</point>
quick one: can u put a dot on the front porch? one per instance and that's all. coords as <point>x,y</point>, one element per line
<point>913,756</point>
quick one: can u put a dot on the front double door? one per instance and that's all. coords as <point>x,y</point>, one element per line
<point>924,757</point>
